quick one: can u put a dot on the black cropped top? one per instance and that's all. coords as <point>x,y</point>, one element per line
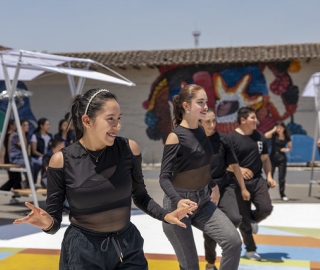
<point>99,193</point>
<point>186,164</point>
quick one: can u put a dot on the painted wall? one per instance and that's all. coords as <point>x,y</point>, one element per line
<point>273,89</point>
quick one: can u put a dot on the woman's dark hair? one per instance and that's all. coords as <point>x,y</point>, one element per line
<point>285,132</point>
<point>61,123</point>
<point>244,113</point>
<point>186,94</point>
<point>55,142</point>
<point>41,122</point>
<point>80,103</point>
<point>67,116</point>
<point>10,123</point>
<point>22,121</point>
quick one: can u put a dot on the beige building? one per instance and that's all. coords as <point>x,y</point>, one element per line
<point>268,78</point>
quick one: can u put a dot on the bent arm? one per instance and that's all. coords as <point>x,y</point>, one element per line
<point>56,191</point>
<point>170,153</point>
<point>237,172</point>
<point>269,133</point>
<point>289,148</point>
<point>266,164</point>
<point>140,194</point>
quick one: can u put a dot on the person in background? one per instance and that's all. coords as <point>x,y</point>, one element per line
<point>56,144</point>
<point>64,133</point>
<point>15,151</point>
<point>223,156</point>
<point>280,145</point>
<point>14,181</point>
<point>184,177</point>
<point>252,153</point>
<point>99,174</point>
<point>39,145</point>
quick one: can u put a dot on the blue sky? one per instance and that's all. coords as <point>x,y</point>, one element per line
<point>118,25</point>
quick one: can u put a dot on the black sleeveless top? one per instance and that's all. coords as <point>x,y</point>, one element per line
<point>186,164</point>
<point>99,193</point>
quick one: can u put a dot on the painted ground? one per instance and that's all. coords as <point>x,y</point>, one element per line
<point>288,240</point>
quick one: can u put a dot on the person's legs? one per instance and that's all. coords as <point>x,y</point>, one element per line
<point>36,170</point>
<point>229,206</point>
<point>181,240</point>
<point>228,203</point>
<point>273,166</point>
<point>16,180</point>
<point>282,177</point>
<point>215,224</point>
<point>245,212</point>
<point>261,200</point>
<point>210,249</point>
<point>7,185</point>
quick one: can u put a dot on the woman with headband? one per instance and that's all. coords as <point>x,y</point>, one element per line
<point>98,174</point>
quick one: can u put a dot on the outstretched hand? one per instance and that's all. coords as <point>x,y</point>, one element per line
<point>37,217</point>
<point>175,216</point>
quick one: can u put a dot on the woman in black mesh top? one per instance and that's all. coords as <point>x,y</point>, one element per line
<point>185,175</point>
<point>98,174</point>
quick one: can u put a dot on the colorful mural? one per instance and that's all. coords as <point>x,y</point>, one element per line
<point>228,88</point>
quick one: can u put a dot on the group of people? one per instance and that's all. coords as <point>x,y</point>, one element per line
<point>41,145</point>
<point>209,179</point>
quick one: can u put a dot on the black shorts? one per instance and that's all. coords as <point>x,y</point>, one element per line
<point>86,249</point>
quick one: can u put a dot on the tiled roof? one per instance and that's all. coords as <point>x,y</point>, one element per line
<point>249,54</point>
<point>2,48</point>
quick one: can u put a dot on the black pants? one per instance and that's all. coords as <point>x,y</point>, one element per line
<point>13,182</point>
<point>83,249</point>
<point>258,189</point>
<point>229,206</point>
<point>282,167</point>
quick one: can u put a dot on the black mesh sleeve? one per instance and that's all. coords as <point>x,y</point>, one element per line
<point>55,197</point>
<point>140,195</point>
<point>167,166</point>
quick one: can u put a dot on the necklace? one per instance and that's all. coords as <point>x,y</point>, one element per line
<point>96,157</point>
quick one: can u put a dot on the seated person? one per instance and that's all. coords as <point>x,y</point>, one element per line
<point>15,151</point>
<point>68,135</point>
<point>56,145</point>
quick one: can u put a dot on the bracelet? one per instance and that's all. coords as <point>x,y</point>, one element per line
<point>51,225</point>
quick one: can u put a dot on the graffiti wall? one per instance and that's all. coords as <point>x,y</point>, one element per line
<point>228,88</point>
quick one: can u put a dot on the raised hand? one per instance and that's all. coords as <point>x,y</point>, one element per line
<point>175,216</point>
<point>37,217</point>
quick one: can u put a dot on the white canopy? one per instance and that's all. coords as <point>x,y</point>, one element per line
<point>312,89</point>
<point>34,63</point>
<point>312,86</point>
<point>26,66</point>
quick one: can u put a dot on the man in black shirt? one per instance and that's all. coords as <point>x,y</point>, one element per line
<point>252,153</point>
